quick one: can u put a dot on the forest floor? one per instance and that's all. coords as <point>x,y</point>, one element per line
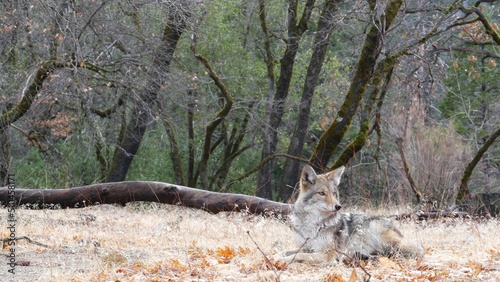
<point>151,242</point>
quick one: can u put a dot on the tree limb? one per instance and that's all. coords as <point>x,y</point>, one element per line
<point>29,94</point>
<point>486,53</point>
<point>219,117</point>
<point>464,189</point>
<point>487,25</point>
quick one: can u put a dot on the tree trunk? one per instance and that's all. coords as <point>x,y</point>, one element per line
<point>370,53</point>
<point>175,152</point>
<point>129,143</point>
<point>380,83</point>
<point>296,29</point>
<point>291,170</point>
<point>191,144</point>
<point>463,191</point>
<point>140,191</point>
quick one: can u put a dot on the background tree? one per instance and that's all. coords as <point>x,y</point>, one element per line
<point>133,131</point>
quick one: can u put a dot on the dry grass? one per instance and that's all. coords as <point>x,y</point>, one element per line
<point>169,243</point>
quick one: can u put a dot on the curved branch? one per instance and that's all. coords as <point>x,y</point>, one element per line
<point>464,189</point>
<point>219,117</point>
<point>483,52</point>
<point>29,95</point>
<point>420,196</point>
<point>487,25</point>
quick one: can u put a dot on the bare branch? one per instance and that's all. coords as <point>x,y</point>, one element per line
<point>483,52</point>
<point>486,23</point>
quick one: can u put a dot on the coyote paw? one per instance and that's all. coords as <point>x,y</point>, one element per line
<point>312,258</point>
<point>283,257</point>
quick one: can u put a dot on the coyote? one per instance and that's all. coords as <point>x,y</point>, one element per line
<point>323,233</point>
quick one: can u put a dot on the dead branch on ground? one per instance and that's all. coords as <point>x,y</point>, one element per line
<point>142,191</point>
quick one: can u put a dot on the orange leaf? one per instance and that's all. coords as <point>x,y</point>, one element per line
<point>354,276</point>
<point>334,277</point>
<point>472,58</point>
<point>177,265</point>
<point>225,254</point>
<point>384,261</point>
<point>280,265</point>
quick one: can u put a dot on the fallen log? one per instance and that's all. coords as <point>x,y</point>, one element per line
<point>421,215</point>
<point>140,191</point>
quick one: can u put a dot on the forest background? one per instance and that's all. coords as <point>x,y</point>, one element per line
<point>236,96</point>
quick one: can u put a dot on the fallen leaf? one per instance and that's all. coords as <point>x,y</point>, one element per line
<point>384,261</point>
<point>354,276</point>
<point>334,277</point>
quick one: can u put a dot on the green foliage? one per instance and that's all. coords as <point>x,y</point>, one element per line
<point>228,41</point>
<point>472,95</point>
<point>152,162</point>
<point>30,170</point>
<point>74,164</point>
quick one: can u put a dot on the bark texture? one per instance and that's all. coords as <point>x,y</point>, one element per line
<point>464,192</point>
<point>142,191</point>
<point>370,53</point>
<point>133,132</point>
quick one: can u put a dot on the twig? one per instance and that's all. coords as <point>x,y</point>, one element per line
<point>298,251</point>
<point>421,215</point>
<point>357,263</point>
<point>5,240</point>
<point>265,257</point>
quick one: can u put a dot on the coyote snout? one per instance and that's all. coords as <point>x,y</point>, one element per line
<point>322,232</point>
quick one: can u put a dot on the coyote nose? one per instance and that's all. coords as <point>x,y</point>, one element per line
<point>337,207</point>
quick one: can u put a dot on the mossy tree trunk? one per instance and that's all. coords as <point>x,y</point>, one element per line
<point>365,68</point>
<point>375,96</point>
<point>463,191</point>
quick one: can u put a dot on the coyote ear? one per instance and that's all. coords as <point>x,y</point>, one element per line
<point>307,178</point>
<point>335,175</point>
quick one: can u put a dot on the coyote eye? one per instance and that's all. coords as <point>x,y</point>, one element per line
<point>322,193</point>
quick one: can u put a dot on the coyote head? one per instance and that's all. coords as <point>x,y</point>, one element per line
<point>319,192</point>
